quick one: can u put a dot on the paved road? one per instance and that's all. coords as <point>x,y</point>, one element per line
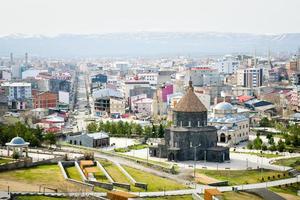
<point>266,194</point>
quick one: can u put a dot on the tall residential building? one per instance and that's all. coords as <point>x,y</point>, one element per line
<point>202,76</point>
<point>250,77</point>
<point>19,95</point>
<point>227,65</point>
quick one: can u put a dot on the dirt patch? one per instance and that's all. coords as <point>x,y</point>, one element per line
<point>202,178</point>
<point>288,196</point>
<point>23,186</point>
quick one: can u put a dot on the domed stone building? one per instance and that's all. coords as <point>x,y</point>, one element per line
<point>190,138</point>
<point>232,127</point>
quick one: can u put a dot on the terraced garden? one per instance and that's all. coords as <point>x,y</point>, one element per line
<point>114,171</point>
<point>73,173</point>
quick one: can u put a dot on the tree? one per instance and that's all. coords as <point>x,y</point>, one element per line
<point>280,146</point>
<point>92,127</point>
<point>265,122</point>
<point>272,147</point>
<point>120,128</point>
<point>127,129</point>
<point>250,145</point>
<point>154,131</point>
<point>50,138</point>
<point>147,131</point>
<point>101,126</point>
<point>257,143</point>
<point>264,147</point>
<point>137,129</point>
<point>113,128</point>
<point>161,131</point>
<point>107,127</point>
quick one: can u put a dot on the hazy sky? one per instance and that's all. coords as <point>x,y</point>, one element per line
<point>51,17</point>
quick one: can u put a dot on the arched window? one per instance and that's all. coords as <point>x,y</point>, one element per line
<point>222,138</point>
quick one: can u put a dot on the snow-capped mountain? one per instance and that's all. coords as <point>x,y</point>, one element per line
<point>148,44</point>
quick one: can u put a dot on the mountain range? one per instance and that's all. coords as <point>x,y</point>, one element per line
<point>147,44</point>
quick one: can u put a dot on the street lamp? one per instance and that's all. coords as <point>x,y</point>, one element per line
<point>195,159</point>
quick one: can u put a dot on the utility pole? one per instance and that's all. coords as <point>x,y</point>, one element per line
<point>195,162</point>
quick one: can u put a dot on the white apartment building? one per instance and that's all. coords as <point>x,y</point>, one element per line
<point>227,65</point>
<point>204,76</point>
<point>18,90</point>
<point>151,78</point>
<point>5,73</point>
<point>18,94</point>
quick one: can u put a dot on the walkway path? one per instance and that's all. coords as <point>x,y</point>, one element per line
<point>266,194</point>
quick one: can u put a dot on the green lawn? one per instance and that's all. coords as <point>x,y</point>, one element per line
<point>155,183</point>
<point>100,176</point>
<point>114,171</point>
<point>264,155</point>
<point>290,162</point>
<point>237,177</point>
<point>288,190</point>
<point>5,160</point>
<point>46,173</point>
<point>73,173</point>
<point>185,197</point>
<point>40,198</point>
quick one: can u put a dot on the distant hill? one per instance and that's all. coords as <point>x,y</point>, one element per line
<point>147,44</point>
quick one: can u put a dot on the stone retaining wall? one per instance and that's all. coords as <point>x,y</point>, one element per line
<point>108,186</point>
<point>62,166</point>
<point>16,164</point>
<point>122,185</point>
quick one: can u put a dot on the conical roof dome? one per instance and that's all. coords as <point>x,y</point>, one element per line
<point>190,102</point>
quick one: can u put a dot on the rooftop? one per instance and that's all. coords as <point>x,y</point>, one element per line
<point>190,102</point>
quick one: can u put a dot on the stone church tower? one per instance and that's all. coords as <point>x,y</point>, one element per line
<point>189,137</point>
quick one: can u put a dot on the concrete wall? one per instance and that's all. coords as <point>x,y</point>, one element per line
<point>107,186</point>
<point>80,171</point>
<point>105,172</point>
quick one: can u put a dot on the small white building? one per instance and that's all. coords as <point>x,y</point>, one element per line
<point>233,127</point>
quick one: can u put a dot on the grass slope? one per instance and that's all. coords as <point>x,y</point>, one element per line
<point>73,173</point>
<point>155,183</point>
<point>237,177</point>
<point>290,162</point>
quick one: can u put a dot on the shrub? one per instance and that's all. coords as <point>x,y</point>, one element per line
<point>121,150</point>
<point>15,155</point>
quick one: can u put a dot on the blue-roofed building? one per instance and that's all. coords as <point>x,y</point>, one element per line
<point>99,78</point>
